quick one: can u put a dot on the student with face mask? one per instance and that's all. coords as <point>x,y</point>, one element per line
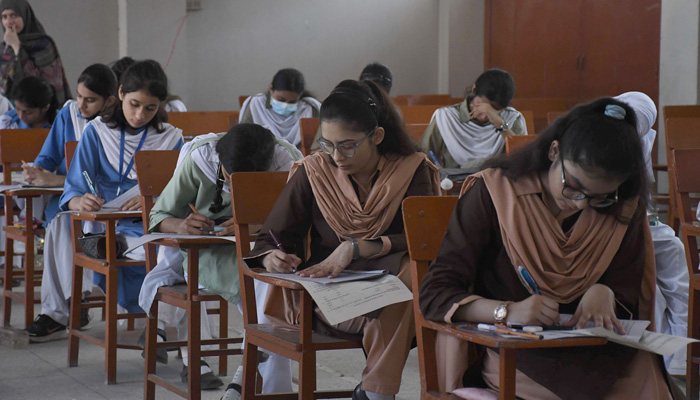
<point>465,134</point>
<point>282,106</point>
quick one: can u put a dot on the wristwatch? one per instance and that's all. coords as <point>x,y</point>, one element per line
<point>500,313</point>
<point>504,127</point>
<point>355,248</point>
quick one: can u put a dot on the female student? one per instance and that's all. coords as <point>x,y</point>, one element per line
<point>172,103</point>
<point>570,209</point>
<point>28,51</point>
<point>97,91</point>
<point>349,197</point>
<point>35,105</point>
<point>282,106</point>
<point>106,154</point>
<point>464,135</point>
<point>201,180</point>
<point>378,73</point>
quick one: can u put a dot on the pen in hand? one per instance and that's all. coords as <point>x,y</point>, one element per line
<point>279,245</point>
<point>89,183</point>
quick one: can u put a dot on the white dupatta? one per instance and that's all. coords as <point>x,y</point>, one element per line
<point>284,127</point>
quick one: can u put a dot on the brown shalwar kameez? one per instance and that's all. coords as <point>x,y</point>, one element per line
<point>473,263</point>
<point>388,332</point>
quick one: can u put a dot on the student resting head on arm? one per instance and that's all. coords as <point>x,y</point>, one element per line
<point>349,197</point>
<point>281,108</point>
<point>35,105</point>
<point>571,210</point>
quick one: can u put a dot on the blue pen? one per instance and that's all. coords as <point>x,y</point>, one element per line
<point>528,279</point>
<point>435,160</point>
<point>89,183</point>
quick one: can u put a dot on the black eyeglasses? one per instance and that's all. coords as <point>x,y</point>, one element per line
<point>598,201</point>
<point>347,150</point>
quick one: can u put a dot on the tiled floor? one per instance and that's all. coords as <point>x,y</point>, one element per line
<point>41,371</point>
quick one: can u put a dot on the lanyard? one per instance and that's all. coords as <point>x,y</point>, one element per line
<point>131,163</point>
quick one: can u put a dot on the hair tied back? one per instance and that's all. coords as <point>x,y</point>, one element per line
<point>358,95</point>
<point>615,111</point>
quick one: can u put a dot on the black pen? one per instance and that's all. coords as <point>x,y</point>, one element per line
<point>279,245</point>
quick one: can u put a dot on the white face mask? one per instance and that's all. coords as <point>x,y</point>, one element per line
<point>282,108</point>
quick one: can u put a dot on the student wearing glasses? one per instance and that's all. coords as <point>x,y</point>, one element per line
<point>571,210</point>
<point>348,196</point>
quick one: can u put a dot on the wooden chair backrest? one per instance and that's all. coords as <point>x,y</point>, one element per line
<point>418,114</point>
<point>154,169</point>
<point>516,142</point>
<point>17,145</point>
<point>415,131</point>
<point>69,150</point>
<point>241,100</point>
<point>681,133</point>
<point>529,121</point>
<point>540,107</point>
<point>455,100</point>
<point>194,123</point>
<point>308,128</point>
<point>681,111</point>
<point>553,115</point>
<point>233,119</point>
<point>687,182</point>
<point>422,99</point>
<point>253,194</point>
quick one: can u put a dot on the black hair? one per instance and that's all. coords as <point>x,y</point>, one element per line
<point>121,65</point>
<point>379,74</point>
<point>149,76</point>
<point>289,80</point>
<point>36,92</point>
<point>591,139</point>
<point>100,79</point>
<point>244,148</point>
<point>496,85</point>
<point>363,106</point>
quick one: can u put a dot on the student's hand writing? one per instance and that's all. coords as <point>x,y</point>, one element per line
<point>280,262</point>
<point>598,305</point>
<point>535,310</point>
<point>41,177</point>
<point>229,229</point>
<point>485,111</point>
<point>192,224</point>
<point>11,38</point>
<point>333,265</point>
<point>132,204</point>
<point>88,202</point>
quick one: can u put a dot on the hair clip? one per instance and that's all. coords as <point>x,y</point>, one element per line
<point>358,95</point>
<point>615,111</point>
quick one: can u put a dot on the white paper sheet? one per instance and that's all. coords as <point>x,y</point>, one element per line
<point>138,242</point>
<point>347,300</point>
<point>345,276</point>
<point>123,198</point>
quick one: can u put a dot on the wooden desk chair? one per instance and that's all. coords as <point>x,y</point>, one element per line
<point>108,338</point>
<point>540,107</point>
<point>681,133</point>
<point>418,114</point>
<point>155,171</point>
<point>416,131</point>
<point>516,142</point>
<point>529,121</point>
<point>253,195</point>
<point>17,145</point>
<point>195,123</point>
<point>422,99</point>
<point>684,163</point>
<point>233,119</point>
<point>309,128</point>
<point>426,220</point>
<point>241,100</point>
<point>553,115</point>
<point>69,151</point>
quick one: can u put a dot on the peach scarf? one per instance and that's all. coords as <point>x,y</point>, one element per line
<point>563,264</point>
<point>340,205</point>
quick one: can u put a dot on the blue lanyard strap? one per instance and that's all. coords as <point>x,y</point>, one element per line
<point>131,163</point>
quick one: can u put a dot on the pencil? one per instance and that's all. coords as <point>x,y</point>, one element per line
<point>25,164</point>
<point>194,210</point>
<point>516,333</point>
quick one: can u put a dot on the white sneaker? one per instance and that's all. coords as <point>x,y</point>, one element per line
<point>233,392</point>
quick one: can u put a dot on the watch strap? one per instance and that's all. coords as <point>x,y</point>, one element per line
<point>355,248</point>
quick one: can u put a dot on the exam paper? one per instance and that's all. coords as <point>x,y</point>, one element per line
<point>138,242</point>
<point>345,276</point>
<point>347,300</point>
<point>123,198</point>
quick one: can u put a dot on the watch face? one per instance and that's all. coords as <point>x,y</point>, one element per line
<point>501,312</point>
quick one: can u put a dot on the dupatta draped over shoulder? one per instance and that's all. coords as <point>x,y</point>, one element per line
<point>38,55</point>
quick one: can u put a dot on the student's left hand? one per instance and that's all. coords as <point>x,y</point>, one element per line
<point>133,204</point>
<point>485,111</point>
<point>331,266</point>
<point>598,305</point>
<point>39,176</point>
<point>229,229</point>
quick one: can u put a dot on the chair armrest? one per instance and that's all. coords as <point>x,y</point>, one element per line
<point>691,229</point>
<point>33,192</point>
<point>659,167</point>
<point>105,215</point>
<point>259,274</point>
